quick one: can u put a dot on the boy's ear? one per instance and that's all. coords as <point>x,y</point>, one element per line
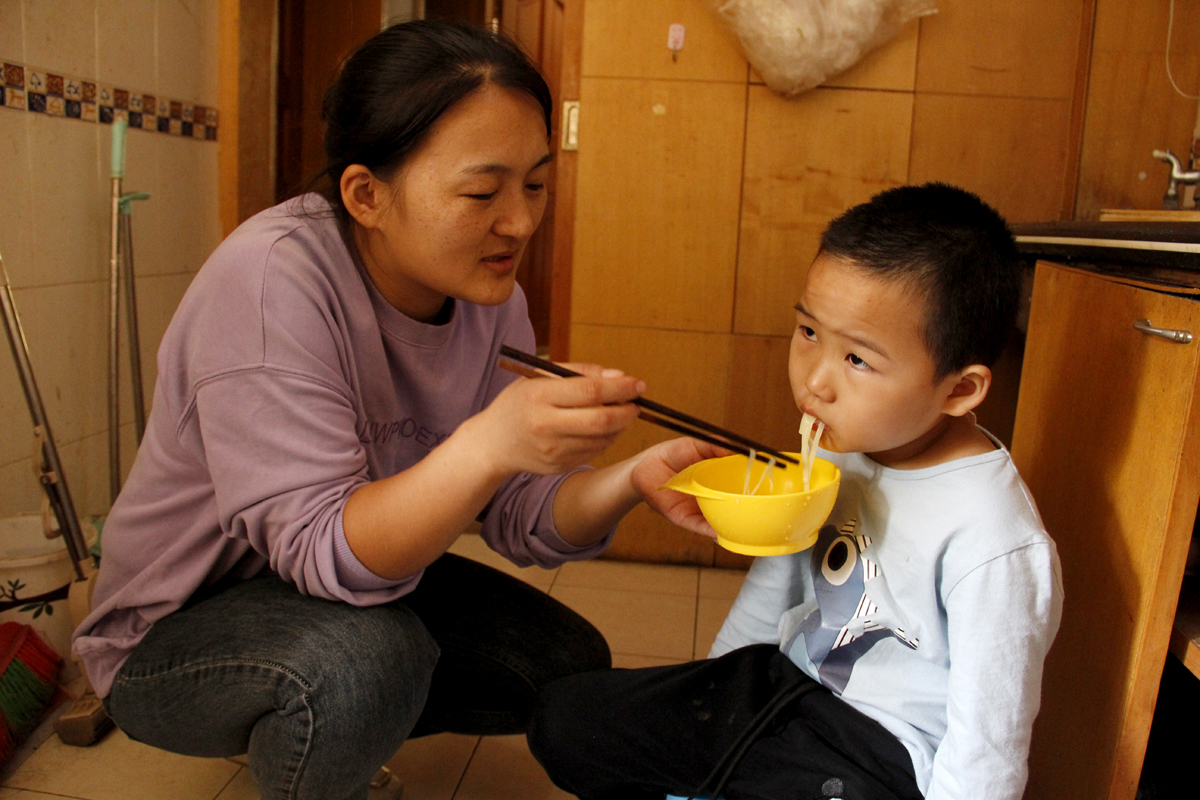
<point>362,195</point>
<point>967,390</point>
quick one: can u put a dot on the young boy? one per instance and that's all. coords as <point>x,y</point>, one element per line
<point>901,656</point>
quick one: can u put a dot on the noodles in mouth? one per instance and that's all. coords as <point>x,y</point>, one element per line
<point>810,437</point>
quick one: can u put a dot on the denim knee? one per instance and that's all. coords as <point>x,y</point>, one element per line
<point>320,693</point>
<point>348,714</point>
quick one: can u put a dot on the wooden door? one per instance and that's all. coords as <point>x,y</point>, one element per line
<point>314,37</point>
<point>1106,438</point>
<point>537,25</point>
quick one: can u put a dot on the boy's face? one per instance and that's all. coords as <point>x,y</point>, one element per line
<point>859,363</point>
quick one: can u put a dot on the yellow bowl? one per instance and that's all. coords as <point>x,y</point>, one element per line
<point>777,519</point>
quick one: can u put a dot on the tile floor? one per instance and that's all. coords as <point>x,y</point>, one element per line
<point>650,615</point>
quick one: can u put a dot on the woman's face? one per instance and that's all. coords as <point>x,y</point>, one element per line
<point>455,219</point>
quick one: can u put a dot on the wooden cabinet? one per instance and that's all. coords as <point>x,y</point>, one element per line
<point>1106,438</point>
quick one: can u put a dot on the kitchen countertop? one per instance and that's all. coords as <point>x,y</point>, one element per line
<point>1159,252</point>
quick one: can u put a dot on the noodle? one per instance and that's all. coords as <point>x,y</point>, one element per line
<point>809,440</point>
<point>749,464</point>
<point>766,475</point>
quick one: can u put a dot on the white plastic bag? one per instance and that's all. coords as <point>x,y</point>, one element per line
<point>797,44</point>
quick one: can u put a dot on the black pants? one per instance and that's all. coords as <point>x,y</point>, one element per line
<point>629,734</point>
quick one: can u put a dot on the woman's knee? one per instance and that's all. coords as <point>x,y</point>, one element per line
<point>376,659</point>
<point>356,705</point>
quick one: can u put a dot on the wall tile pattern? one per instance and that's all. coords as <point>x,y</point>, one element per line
<point>153,58</point>
<point>701,192</point>
<point>42,91</point>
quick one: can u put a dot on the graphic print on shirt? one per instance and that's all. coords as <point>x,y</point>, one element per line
<point>841,629</point>
<point>379,433</point>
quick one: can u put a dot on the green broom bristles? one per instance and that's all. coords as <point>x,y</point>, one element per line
<point>23,698</point>
<point>29,667</point>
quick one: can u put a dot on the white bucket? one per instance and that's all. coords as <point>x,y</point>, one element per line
<point>35,577</point>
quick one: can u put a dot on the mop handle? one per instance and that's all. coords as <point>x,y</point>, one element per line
<point>125,199</point>
<point>118,148</point>
<point>114,292</point>
<point>55,484</point>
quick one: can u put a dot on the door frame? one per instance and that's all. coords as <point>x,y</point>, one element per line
<point>566,173</point>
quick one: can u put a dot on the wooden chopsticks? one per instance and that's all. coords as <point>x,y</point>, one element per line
<point>531,366</point>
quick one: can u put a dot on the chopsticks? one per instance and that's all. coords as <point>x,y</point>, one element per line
<point>531,366</point>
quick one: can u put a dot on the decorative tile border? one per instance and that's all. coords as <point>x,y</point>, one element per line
<point>44,92</point>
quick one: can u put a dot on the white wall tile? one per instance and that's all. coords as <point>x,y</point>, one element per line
<point>188,193</point>
<point>17,429</point>
<point>85,463</point>
<point>152,247</point>
<point>183,39</point>
<point>16,232</point>
<point>69,200</point>
<point>210,55</point>
<point>12,30</point>
<point>67,331</point>
<point>126,50</point>
<point>19,489</point>
<point>54,181</point>
<point>158,297</point>
<point>61,35</point>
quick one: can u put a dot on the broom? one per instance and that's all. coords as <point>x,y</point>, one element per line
<point>28,668</point>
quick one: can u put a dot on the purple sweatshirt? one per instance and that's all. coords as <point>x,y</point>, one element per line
<point>285,382</point>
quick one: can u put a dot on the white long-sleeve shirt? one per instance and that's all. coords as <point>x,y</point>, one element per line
<point>928,603</point>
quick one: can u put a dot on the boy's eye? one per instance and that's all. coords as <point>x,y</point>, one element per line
<point>487,196</point>
<point>535,187</point>
<point>857,362</point>
<point>809,333</point>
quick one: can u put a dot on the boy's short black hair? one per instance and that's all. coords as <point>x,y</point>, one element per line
<point>955,250</point>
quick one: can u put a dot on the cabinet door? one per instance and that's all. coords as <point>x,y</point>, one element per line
<point>1105,437</point>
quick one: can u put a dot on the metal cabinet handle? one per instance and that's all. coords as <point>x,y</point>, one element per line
<point>1183,337</point>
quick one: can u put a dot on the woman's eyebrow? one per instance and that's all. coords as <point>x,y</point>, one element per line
<point>493,169</point>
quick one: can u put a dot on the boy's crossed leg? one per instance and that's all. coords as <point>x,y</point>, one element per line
<point>639,734</point>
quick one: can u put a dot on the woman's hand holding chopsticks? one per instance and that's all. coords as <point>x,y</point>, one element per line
<point>602,497</point>
<point>552,426</point>
<point>532,426</point>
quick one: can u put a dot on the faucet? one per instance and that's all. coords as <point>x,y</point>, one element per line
<point>1178,176</point>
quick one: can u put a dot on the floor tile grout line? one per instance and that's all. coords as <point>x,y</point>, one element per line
<point>462,777</point>
<point>626,591</point>
<point>236,772</point>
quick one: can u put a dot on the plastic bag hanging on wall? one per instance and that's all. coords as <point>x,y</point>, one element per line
<point>798,44</point>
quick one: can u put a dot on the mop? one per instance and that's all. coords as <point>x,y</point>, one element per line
<point>28,667</point>
<point>120,262</point>
<point>50,471</point>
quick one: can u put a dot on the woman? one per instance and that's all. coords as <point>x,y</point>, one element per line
<point>329,417</point>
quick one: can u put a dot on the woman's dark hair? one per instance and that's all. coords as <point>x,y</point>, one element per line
<point>396,85</point>
<point>954,250</point>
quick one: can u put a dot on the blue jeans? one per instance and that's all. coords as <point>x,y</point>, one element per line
<point>320,694</point>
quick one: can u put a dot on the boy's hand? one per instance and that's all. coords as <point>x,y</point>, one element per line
<point>657,466</point>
